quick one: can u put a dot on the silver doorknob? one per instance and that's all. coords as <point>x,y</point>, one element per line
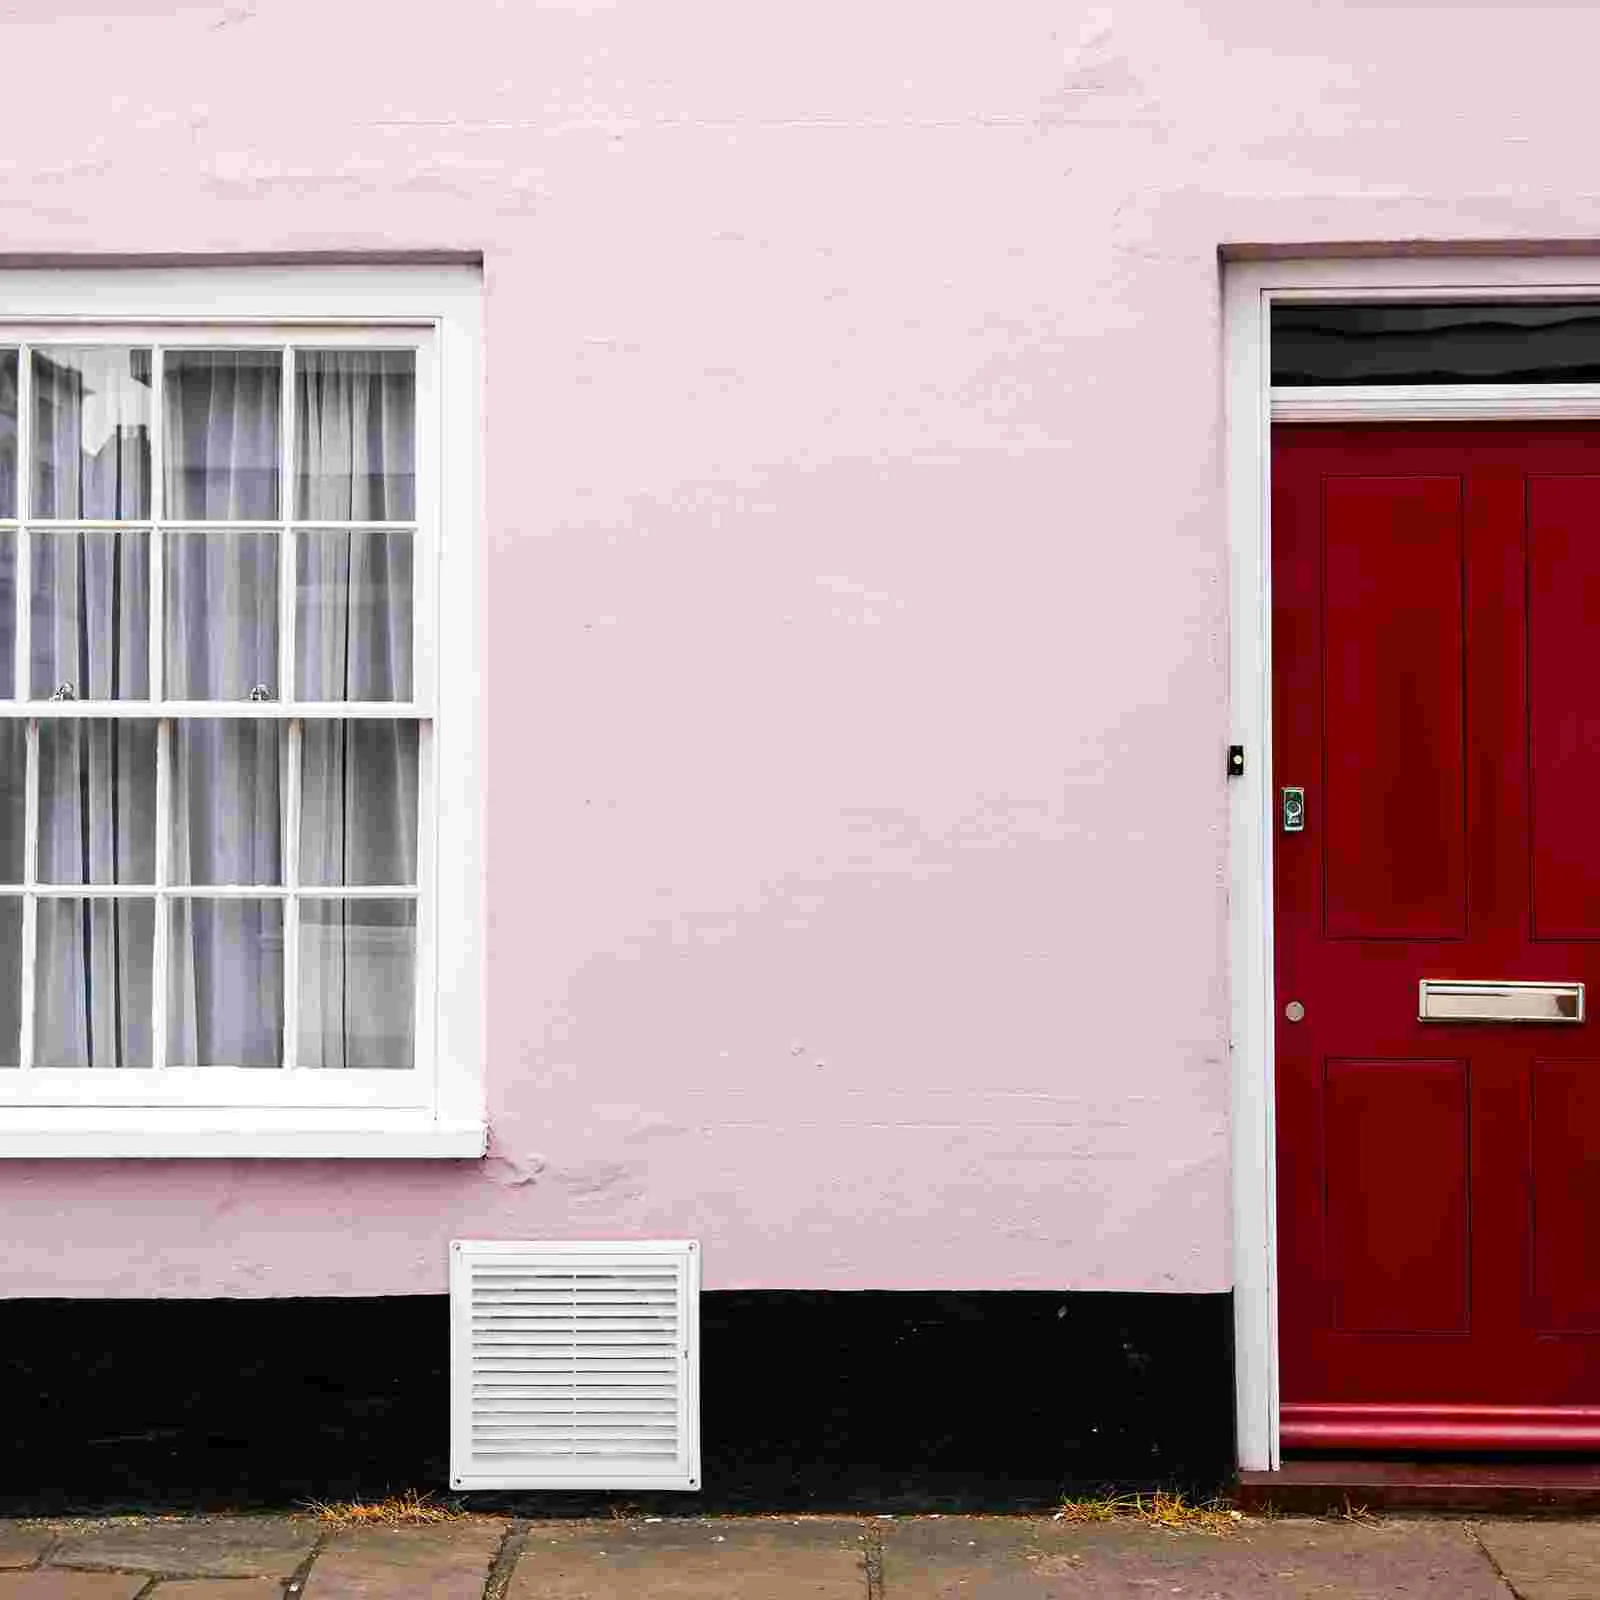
<point>1294,1011</point>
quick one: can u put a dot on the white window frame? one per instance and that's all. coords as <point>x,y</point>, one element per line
<point>1251,285</point>
<point>436,1108</point>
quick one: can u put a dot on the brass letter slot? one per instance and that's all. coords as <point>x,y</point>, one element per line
<point>1451,1000</point>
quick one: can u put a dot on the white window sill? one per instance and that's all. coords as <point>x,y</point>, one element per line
<point>36,1133</point>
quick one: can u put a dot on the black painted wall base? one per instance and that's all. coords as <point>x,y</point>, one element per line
<point>848,1401</point>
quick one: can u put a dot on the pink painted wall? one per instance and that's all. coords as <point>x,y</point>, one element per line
<point>855,555</point>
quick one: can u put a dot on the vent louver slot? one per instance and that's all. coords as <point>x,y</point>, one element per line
<point>574,1366</point>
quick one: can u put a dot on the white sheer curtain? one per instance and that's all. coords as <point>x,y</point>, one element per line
<point>355,450</point>
<point>354,445</point>
<point>225,956</point>
<point>358,826</point>
<point>91,460</point>
<point>97,794</point>
<point>221,622</point>
<point>13,788</point>
<point>228,779</point>
<point>90,635</point>
<point>89,598</point>
<point>355,435</point>
<point>8,433</point>
<point>91,433</point>
<point>8,613</point>
<point>221,439</point>
<point>8,508</point>
<point>10,981</point>
<point>13,799</point>
<point>13,737</point>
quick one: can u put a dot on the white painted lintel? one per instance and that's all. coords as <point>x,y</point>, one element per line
<point>1445,402</point>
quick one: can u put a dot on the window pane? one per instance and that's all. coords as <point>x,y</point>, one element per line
<point>97,802</point>
<point>91,616</point>
<point>225,983</point>
<point>13,792</point>
<point>358,983</point>
<point>93,983</point>
<point>91,433</point>
<point>8,433</point>
<point>355,423</point>
<point>10,981</point>
<point>1381,342</point>
<point>8,614</point>
<point>227,802</point>
<point>221,444</point>
<point>358,804</point>
<point>222,616</point>
<point>353,615</point>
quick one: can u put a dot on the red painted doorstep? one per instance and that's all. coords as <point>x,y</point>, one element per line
<point>1548,1429</point>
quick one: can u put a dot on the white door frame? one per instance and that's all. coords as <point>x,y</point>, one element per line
<point>1249,289</point>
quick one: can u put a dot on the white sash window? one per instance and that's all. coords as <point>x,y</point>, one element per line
<point>237,529</point>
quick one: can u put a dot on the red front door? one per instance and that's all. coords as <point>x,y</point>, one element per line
<point>1436,695</point>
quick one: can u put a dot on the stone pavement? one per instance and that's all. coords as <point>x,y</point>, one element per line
<point>796,1558</point>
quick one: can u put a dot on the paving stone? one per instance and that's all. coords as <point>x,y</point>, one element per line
<point>758,1559</point>
<point>1546,1560</point>
<point>52,1584</point>
<point>445,1561</point>
<point>20,1546</point>
<point>195,1547</point>
<point>960,1558</point>
<point>219,1589</point>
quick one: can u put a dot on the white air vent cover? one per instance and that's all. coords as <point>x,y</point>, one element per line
<point>574,1366</point>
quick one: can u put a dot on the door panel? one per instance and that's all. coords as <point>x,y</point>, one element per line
<point>1566,1196</point>
<point>1395,852</point>
<point>1396,1164</point>
<point>1436,610</point>
<point>1564,704</point>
